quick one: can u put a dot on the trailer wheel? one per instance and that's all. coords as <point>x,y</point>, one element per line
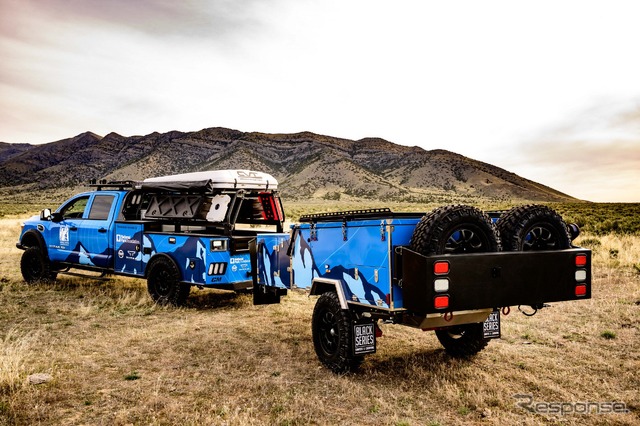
<point>462,341</point>
<point>533,228</point>
<point>163,283</point>
<point>35,266</point>
<point>331,329</point>
<point>457,230</point>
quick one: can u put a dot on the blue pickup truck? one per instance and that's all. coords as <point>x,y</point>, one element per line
<point>177,232</point>
<point>454,270</point>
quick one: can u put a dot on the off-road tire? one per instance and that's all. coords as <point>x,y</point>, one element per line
<point>332,330</point>
<point>35,266</point>
<point>435,232</point>
<point>533,228</point>
<point>457,229</point>
<point>163,283</point>
<point>462,341</point>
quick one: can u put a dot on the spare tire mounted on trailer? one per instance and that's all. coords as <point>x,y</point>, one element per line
<point>457,229</point>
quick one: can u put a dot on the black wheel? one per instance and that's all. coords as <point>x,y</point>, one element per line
<point>457,230</point>
<point>331,328</point>
<point>163,283</point>
<point>35,266</point>
<point>532,228</point>
<point>462,340</point>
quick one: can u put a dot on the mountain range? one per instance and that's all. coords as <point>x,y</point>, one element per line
<point>307,165</point>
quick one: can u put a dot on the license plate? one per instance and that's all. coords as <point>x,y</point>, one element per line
<point>491,326</point>
<point>364,339</point>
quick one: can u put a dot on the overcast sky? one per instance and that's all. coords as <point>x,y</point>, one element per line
<point>549,90</point>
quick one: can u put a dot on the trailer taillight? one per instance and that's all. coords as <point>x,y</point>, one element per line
<point>441,302</point>
<point>581,275</point>
<point>441,285</point>
<point>441,267</point>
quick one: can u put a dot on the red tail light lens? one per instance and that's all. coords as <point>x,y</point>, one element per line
<point>581,260</point>
<point>581,290</point>
<point>441,267</point>
<point>270,207</point>
<point>441,302</point>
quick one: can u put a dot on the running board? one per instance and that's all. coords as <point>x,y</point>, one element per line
<point>102,277</point>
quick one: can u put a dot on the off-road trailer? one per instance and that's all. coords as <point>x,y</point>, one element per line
<point>452,270</point>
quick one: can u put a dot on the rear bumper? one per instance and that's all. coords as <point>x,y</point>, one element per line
<point>493,280</point>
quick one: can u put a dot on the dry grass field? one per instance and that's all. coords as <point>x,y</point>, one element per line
<point>116,358</point>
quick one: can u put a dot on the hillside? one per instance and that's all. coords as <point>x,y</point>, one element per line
<point>307,165</point>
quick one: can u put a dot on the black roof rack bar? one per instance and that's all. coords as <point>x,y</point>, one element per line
<point>113,184</point>
<point>354,214</point>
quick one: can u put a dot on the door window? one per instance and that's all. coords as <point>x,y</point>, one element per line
<point>75,208</point>
<point>101,207</point>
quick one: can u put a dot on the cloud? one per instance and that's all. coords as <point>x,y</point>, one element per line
<point>158,18</point>
<point>594,155</point>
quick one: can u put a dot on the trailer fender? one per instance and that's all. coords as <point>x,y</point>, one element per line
<point>323,285</point>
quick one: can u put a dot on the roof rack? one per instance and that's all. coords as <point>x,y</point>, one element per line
<point>350,214</point>
<point>355,214</point>
<point>113,184</point>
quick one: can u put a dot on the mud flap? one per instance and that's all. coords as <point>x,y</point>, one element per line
<point>363,338</point>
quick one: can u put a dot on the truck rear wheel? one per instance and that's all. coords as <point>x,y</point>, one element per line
<point>163,283</point>
<point>331,329</point>
<point>457,230</point>
<point>533,228</point>
<point>35,266</point>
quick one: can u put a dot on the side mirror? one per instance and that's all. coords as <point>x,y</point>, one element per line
<point>56,217</point>
<point>45,214</point>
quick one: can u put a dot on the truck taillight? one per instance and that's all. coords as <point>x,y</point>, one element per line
<point>271,209</point>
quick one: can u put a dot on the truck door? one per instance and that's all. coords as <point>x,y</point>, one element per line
<point>97,234</point>
<point>63,235</point>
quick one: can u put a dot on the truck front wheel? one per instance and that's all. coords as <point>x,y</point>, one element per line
<point>462,340</point>
<point>35,266</point>
<point>331,329</point>
<point>163,283</point>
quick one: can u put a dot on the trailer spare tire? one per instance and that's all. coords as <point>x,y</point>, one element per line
<point>533,228</point>
<point>457,229</point>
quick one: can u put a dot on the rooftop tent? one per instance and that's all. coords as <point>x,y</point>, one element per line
<point>209,180</point>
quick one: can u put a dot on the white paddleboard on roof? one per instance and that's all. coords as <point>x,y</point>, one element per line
<point>224,179</point>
